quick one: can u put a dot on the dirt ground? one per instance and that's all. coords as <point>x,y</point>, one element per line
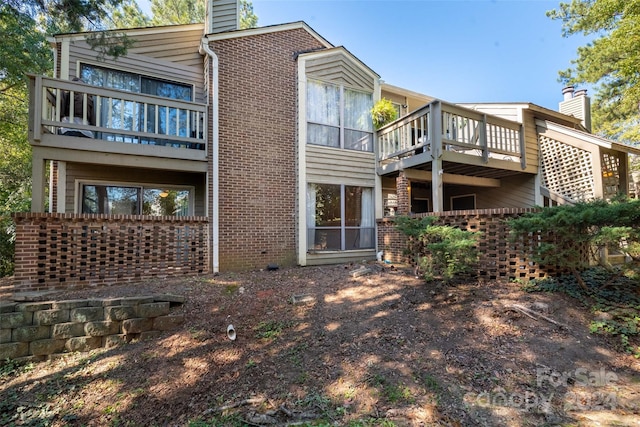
<point>330,346</point>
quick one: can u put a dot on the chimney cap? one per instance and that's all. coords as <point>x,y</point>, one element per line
<point>567,92</point>
<point>581,92</point>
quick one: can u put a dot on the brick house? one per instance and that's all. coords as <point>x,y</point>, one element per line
<point>211,148</point>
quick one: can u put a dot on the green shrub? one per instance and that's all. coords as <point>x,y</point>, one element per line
<point>439,251</point>
<point>383,112</point>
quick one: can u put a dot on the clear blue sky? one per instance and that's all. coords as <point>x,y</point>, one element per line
<point>456,50</point>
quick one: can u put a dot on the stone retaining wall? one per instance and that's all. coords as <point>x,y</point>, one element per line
<point>41,329</point>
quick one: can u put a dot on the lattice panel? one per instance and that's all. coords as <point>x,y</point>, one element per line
<point>566,170</point>
<point>500,258</point>
<point>610,174</point>
<point>64,250</point>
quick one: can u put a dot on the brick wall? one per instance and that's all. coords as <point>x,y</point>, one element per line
<point>258,147</point>
<point>500,259</point>
<point>40,329</point>
<point>75,250</point>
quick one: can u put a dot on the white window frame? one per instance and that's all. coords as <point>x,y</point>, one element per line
<point>341,108</point>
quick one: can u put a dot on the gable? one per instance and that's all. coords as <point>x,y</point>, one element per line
<point>340,69</point>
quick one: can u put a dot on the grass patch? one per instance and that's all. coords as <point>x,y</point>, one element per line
<point>271,329</point>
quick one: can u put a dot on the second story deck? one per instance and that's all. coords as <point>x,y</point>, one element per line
<point>114,121</point>
<point>457,140</point>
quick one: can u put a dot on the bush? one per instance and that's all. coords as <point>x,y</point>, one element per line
<point>439,251</point>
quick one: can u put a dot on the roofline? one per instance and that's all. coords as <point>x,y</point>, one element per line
<point>342,49</point>
<point>268,30</point>
<point>405,92</point>
<point>131,31</point>
<point>589,137</point>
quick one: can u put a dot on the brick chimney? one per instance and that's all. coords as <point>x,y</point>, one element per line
<point>576,103</point>
<point>222,16</point>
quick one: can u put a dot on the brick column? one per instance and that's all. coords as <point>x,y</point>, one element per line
<point>402,189</point>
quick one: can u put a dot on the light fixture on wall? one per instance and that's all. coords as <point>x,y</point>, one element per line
<point>163,193</point>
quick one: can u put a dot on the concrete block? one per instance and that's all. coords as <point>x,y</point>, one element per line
<point>105,302</point>
<point>174,300</point>
<point>31,333</point>
<point>101,329</point>
<point>119,312</point>
<point>137,300</point>
<point>168,323</point>
<point>13,350</point>
<point>5,336</point>
<point>83,343</point>
<point>46,347</point>
<point>69,304</point>
<point>34,306</point>
<point>67,330</point>
<point>7,307</point>
<point>135,326</point>
<point>50,317</point>
<point>153,309</point>
<point>13,320</point>
<point>87,314</point>
<point>114,340</point>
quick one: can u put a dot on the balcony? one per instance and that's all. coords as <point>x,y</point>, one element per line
<point>124,123</point>
<point>452,139</point>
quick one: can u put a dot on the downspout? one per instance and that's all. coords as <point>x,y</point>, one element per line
<point>215,221</point>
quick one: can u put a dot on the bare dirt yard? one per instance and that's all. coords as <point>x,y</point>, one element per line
<point>324,346</point>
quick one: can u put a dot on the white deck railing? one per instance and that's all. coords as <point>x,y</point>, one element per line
<point>458,130</point>
<point>119,116</point>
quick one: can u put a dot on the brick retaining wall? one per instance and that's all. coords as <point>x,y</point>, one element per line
<point>40,329</point>
<point>56,251</point>
<point>500,259</point>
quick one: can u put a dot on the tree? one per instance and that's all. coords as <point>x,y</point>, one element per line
<point>611,61</point>
<point>173,12</point>
<point>127,15</point>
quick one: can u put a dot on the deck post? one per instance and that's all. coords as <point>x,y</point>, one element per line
<point>435,125</point>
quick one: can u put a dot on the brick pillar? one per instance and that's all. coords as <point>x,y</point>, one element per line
<point>402,189</point>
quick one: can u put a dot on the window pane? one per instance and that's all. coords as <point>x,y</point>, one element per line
<point>113,200</point>
<point>323,135</point>
<point>165,202</point>
<point>358,140</point>
<point>323,239</point>
<point>359,238</point>
<point>323,103</point>
<point>327,209</point>
<point>357,110</point>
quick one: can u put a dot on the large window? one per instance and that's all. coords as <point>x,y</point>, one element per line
<point>339,117</point>
<point>339,217</point>
<point>134,200</point>
<point>120,115</point>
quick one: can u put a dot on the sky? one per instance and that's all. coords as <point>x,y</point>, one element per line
<point>456,50</point>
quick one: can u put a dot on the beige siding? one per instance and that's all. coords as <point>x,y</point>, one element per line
<point>86,172</point>
<point>224,15</point>
<point>530,138</point>
<point>170,56</point>
<point>337,68</point>
<point>514,192</point>
<point>331,165</point>
<point>506,111</point>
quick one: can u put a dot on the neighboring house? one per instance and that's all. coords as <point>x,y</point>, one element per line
<point>244,148</point>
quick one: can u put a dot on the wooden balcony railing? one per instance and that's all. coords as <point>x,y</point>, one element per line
<point>440,126</point>
<point>113,115</point>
